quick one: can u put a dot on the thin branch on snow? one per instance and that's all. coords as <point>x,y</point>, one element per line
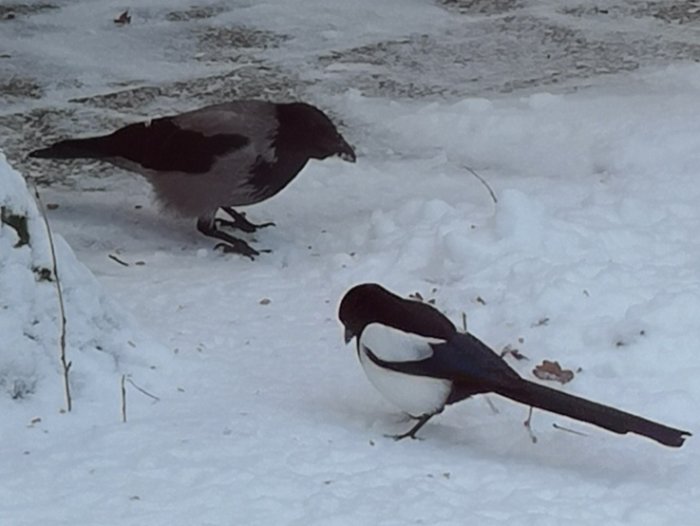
<point>562,428</point>
<point>491,405</point>
<point>120,261</point>
<point>143,391</point>
<point>528,426</point>
<point>65,364</point>
<point>122,386</point>
<point>482,180</point>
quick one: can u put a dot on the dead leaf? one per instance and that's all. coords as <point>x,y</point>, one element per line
<point>552,371</point>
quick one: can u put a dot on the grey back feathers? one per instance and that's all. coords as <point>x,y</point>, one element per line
<point>225,155</point>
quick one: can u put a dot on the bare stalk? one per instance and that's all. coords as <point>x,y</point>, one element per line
<point>65,364</point>
<point>528,426</point>
<point>482,181</point>
<point>562,428</point>
<point>123,389</point>
<point>143,391</point>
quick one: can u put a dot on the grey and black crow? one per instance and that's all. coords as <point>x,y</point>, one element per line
<point>217,157</point>
<point>418,360</point>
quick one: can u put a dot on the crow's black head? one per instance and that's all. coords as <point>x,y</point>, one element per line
<point>307,130</point>
<point>371,303</point>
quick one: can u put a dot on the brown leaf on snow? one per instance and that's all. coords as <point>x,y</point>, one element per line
<point>552,371</point>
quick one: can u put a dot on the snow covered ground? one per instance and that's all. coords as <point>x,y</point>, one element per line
<point>589,257</point>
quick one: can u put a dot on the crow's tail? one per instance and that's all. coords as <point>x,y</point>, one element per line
<point>91,148</point>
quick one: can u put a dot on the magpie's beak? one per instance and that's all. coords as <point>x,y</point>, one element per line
<point>345,151</point>
<point>348,336</point>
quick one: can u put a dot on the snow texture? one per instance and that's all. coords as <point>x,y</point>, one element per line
<point>582,119</point>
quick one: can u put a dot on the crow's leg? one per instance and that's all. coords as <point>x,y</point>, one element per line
<point>412,432</point>
<point>239,221</point>
<point>230,244</point>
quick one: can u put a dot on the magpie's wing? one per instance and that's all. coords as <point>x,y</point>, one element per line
<point>393,345</point>
<point>463,358</point>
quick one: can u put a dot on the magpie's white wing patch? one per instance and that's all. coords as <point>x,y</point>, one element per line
<point>415,395</point>
<point>393,345</point>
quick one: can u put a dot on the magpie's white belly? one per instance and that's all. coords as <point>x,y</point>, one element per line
<point>415,395</point>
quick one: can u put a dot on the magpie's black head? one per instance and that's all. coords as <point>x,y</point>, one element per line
<point>371,303</point>
<point>306,129</point>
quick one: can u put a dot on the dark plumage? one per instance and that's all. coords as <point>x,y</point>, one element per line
<point>222,156</point>
<point>416,357</point>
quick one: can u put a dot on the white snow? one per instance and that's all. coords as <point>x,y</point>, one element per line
<point>102,343</point>
<point>589,257</point>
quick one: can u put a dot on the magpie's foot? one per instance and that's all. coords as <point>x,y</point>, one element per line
<point>421,421</point>
<point>240,222</point>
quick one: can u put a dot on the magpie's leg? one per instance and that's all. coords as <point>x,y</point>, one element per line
<point>239,221</point>
<point>230,244</point>
<point>412,432</point>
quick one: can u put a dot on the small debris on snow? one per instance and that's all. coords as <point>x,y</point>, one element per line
<point>265,301</point>
<point>120,261</point>
<point>419,297</point>
<point>123,19</point>
<point>509,350</point>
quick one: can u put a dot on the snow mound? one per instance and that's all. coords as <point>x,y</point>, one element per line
<point>101,340</point>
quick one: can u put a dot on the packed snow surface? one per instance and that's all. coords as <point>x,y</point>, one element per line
<point>589,256</point>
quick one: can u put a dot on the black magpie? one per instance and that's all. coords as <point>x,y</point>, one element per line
<point>232,154</point>
<point>417,359</point>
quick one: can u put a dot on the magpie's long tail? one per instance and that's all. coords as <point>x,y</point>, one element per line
<point>600,415</point>
<point>91,148</point>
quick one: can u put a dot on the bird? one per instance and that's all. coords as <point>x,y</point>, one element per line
<point>415,356</point>
<point>217,157</point>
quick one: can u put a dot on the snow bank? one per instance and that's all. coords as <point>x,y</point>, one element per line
<point>101,341</point>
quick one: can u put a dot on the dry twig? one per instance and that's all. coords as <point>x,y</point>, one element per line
<point>123,391</point>
<point>65,364</point>
<point>482,180</point>
<point>528,426</point>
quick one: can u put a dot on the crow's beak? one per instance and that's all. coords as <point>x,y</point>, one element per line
<point>345,151</point>
<point>348,336</point>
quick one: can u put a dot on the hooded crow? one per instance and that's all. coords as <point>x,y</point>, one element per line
<point>418,360</point>
<point>221,156</point>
